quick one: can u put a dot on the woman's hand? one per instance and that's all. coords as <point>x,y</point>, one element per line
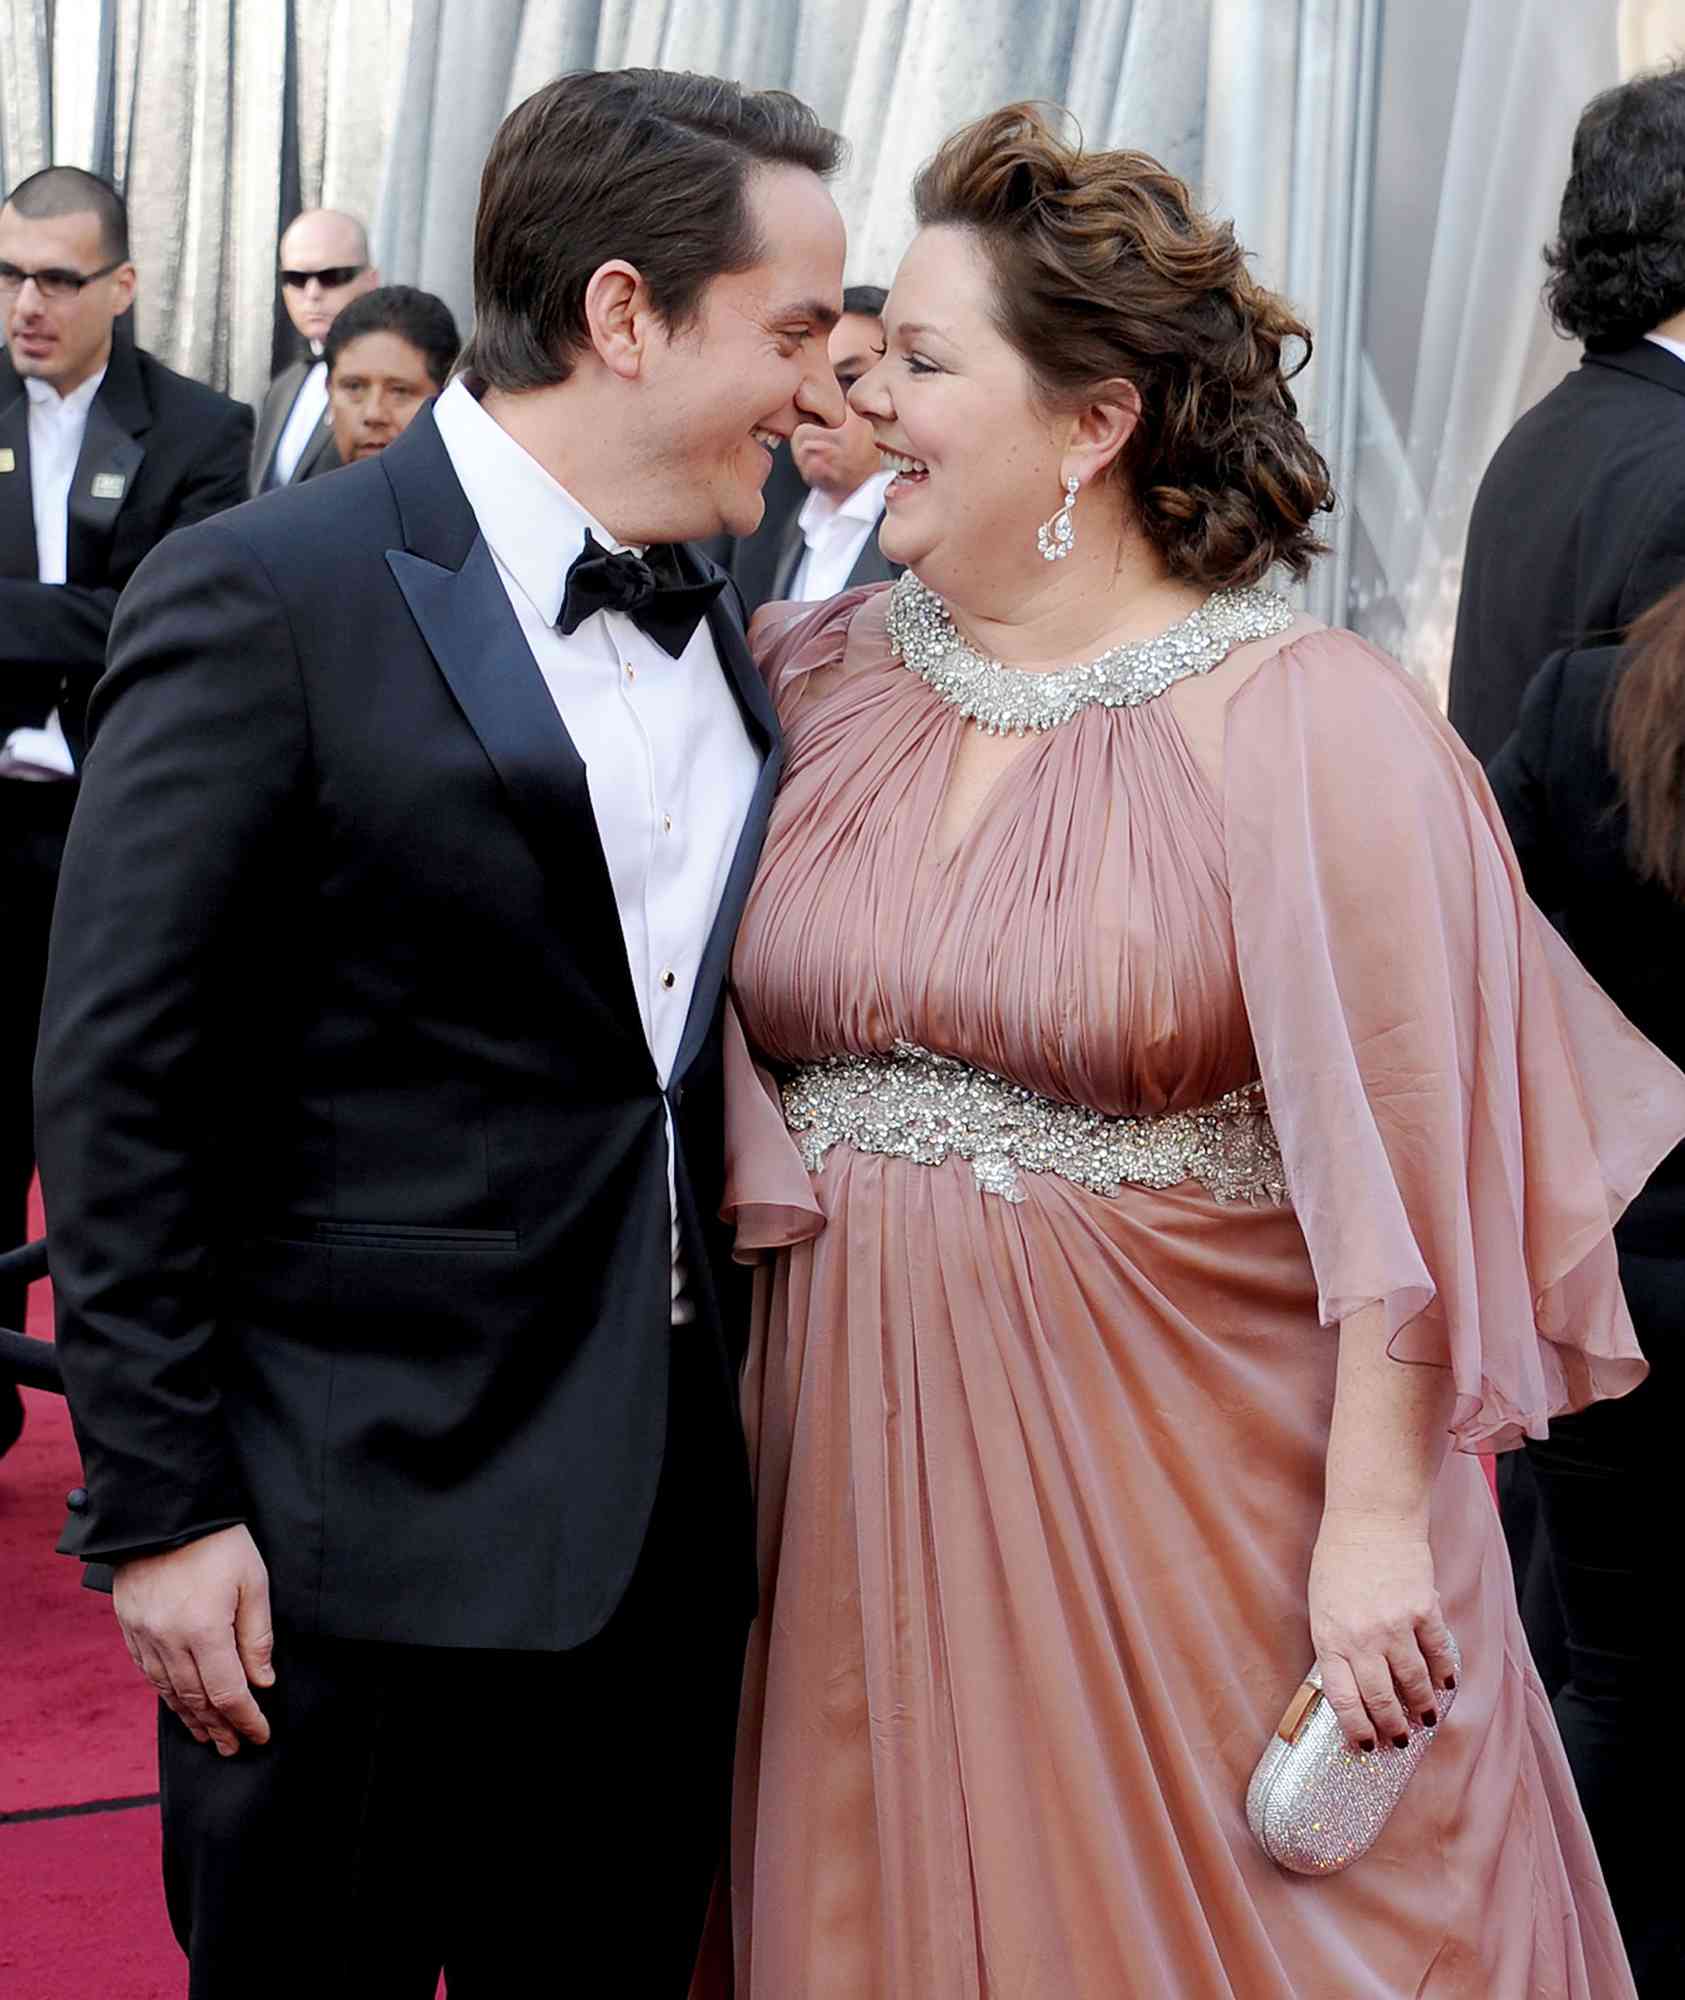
<point>1380,1638</point>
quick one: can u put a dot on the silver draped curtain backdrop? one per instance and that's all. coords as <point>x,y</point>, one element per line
<point>212,116</point>
<point>1393,166</point>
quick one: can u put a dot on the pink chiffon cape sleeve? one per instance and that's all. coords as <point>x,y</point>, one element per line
<point>769,1199</point>
<point>1462,1111</point>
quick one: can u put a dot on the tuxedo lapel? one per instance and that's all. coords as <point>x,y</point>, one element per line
<point>316,447</point>
<point>105,472</point>
<point>872,565</point>
<point>118,419</point>
<point>762,721</point>
<point>18,555</point>
<point>277,407</point>
<point>463,612</point>
<point>789,560</point>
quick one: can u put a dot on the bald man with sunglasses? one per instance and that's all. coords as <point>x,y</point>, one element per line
<point>324,266</point>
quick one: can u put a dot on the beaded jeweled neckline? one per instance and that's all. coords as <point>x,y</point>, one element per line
<point>1017,701</point>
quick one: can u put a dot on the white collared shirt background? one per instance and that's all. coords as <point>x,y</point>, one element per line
<point>834,536</point>
<point>310,405</point>
<point>57,426</point>
<point>668,761</point>
<point>1674,347</point>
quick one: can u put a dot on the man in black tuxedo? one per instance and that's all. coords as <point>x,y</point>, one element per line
<point>103,451</point>
<point>382,1100</point>
<point>1579,524</point>
<point>820,532</point>
<point>324,266</point>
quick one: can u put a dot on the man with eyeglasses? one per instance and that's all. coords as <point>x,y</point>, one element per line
<point>103,450</point>
<point>324,266</point>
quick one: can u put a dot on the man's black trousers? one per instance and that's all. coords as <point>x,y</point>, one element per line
<point>527,1822</point>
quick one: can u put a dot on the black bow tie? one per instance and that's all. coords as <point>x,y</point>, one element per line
<point>650,589</point>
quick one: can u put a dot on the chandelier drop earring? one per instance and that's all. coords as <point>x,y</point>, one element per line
<point>1056,538</point>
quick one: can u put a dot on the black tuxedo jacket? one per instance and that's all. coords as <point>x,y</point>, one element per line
<point>1579,525</point>
<point>320,454</point>
<point>1561,804</point>
<point>353,1144</point>
<point>159,451</point>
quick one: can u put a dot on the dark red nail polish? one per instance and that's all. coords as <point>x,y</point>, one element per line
<point>1366,1743</point>
<point>1401,1743</point>
<point>1450,1683</point>
<point>1430,1717</point>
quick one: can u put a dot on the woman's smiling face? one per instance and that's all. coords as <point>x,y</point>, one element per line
<point>954,409</point>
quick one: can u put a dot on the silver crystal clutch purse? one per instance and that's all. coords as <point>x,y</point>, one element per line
<point>1315,1805</point>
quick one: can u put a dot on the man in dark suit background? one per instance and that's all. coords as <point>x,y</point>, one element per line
<point>388,354</point>
<point>820,533</point>
<point>382,1094</point>
<point>103,451</point>
<point>324,266</point>
<point>1579,524</point>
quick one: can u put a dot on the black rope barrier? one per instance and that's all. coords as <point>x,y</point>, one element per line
<point>29,1263</point>
<point>29,1362</point>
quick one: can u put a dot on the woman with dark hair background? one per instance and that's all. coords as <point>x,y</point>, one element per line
<point>1158,1051</point>
<point>1592,786</point>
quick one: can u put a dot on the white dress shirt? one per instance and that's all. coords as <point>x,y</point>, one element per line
<point>668,762</point>
<point>57,425</point>
<point>835,535</point>
<point>309,406</point>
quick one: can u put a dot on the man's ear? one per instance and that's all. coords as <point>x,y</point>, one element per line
<point>126,280</point>
<point>618,317</point>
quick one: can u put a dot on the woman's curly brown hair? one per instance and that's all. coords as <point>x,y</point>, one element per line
<point>1104,269</point>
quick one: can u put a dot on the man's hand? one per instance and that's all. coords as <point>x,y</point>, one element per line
<point>196,1623</point>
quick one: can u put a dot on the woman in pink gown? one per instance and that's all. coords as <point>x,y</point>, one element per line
<point>1137,1092</point>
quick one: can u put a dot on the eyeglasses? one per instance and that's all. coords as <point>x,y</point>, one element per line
<point>330,280</point>
<point>52,283</point>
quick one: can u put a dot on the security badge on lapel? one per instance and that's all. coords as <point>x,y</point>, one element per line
<point>8,459</point>
<point>109,486</point>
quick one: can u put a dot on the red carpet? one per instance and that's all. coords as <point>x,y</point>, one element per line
<point>81,1909</point>
<point>81,1901</point>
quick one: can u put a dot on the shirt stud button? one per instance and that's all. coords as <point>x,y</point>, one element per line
<point>666,822</point>
<point>631,671</point>
<point>669,980</point>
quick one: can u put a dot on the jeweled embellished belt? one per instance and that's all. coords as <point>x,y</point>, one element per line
<point>914,1105</point>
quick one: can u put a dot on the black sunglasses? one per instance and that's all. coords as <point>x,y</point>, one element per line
<point>330,279</point>
<point>53,283</point>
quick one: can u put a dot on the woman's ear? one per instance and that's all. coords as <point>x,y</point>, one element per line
<point>617,317</point>
<point>1100,430</point>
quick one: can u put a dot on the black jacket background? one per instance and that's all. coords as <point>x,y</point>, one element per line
<point>1579,525</point>
<point>179,450</point>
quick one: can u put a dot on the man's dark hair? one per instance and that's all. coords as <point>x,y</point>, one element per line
<point>1618,263</point>
<point>56,191</point>
<point>418,317</point>
<point>866,300</point>
<point>648,165</point>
